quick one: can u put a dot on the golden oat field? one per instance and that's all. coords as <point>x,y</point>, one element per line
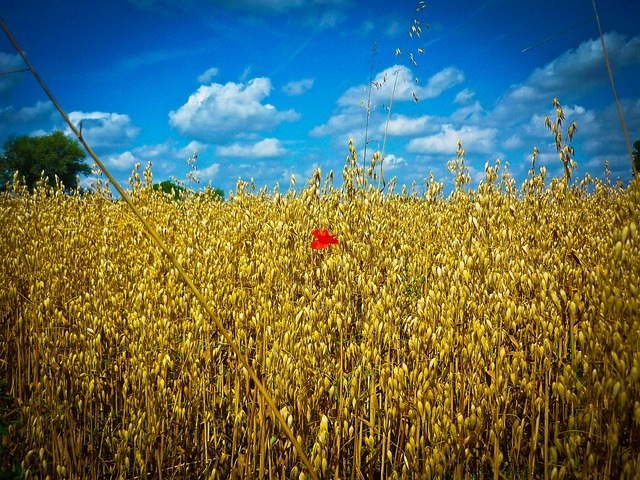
<point>493,332</point>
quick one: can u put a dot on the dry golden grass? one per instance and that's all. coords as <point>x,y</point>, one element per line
<point>494,333</point>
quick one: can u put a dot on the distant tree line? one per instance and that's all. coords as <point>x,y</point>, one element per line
<point>57,155</point>
<point>48,156</point>
<point>176,190</point>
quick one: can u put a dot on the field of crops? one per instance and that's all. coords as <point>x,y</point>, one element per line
<point>494,333</point>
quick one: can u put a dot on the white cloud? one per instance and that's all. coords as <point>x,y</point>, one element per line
<point>349,119</point>
<point>168,151</point>
<point>269,147</point>
<point>577,70</point>
<point>573,110</point>
<point>441,81</point>
<point>380,90</point>
<point>190,148</point>
<point>508,131</point>
<point>208,173</point>
<point>391,163</point>
<point>298,87</point>
<point>405,88</point>
<point>41,111</point>
<point>105,130</point>
<point>9,63</point>
<point>245,73</point>
<point>217,112</point>
<point>121,161</point>
<point>207,75</point>
<point>476,139</point>
<point>598,138</point>
<point>594,124</point>
<point>464,96</point>
<point>513,142</point>
<point>403,125</point>
<point>166,157</point>
<point>346,122</point>
<point>472,112</point>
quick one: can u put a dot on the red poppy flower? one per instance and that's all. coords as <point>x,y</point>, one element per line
<point>323,239</point>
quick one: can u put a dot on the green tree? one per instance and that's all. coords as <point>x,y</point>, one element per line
<point>636,155</point>
<point>216,193</point>
<point>53,154</point>
<point>168,186</point>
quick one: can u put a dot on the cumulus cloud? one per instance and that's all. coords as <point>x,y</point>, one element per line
<point>166,157</point>
<point>406,87</point>
<point>598,138</point>
<point>349,119</point>
<point>476,139</point>
<point>269,147</point>
<point>403,125</point>
<point>121,161</point>
<point>464,96</point>
<point>592,125</point>
<point>9,63</point>
<point>343,121</point>
<point>441,81</point>
<point>206,76</point>
<point>513,142</point>
<point>298,87</point>
<point>105,130</point>
<point>577,70</point>
<point>209,173</point>
<point>511,128</point>
<point>218,112</point>
<point>343,125</point>
<point>472,112</point>
<point>40,112</point>
<point>392,162</point>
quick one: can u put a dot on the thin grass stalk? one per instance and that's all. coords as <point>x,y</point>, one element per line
<point>366,129</point>
<point>263,440</point>
<point>496,448</point>
<point>615,93</point>
<point>547,380</point>
<point>357,430</point>
<point>386,131</point>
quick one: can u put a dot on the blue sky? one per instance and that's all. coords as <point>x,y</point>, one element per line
<point>266,89</point>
